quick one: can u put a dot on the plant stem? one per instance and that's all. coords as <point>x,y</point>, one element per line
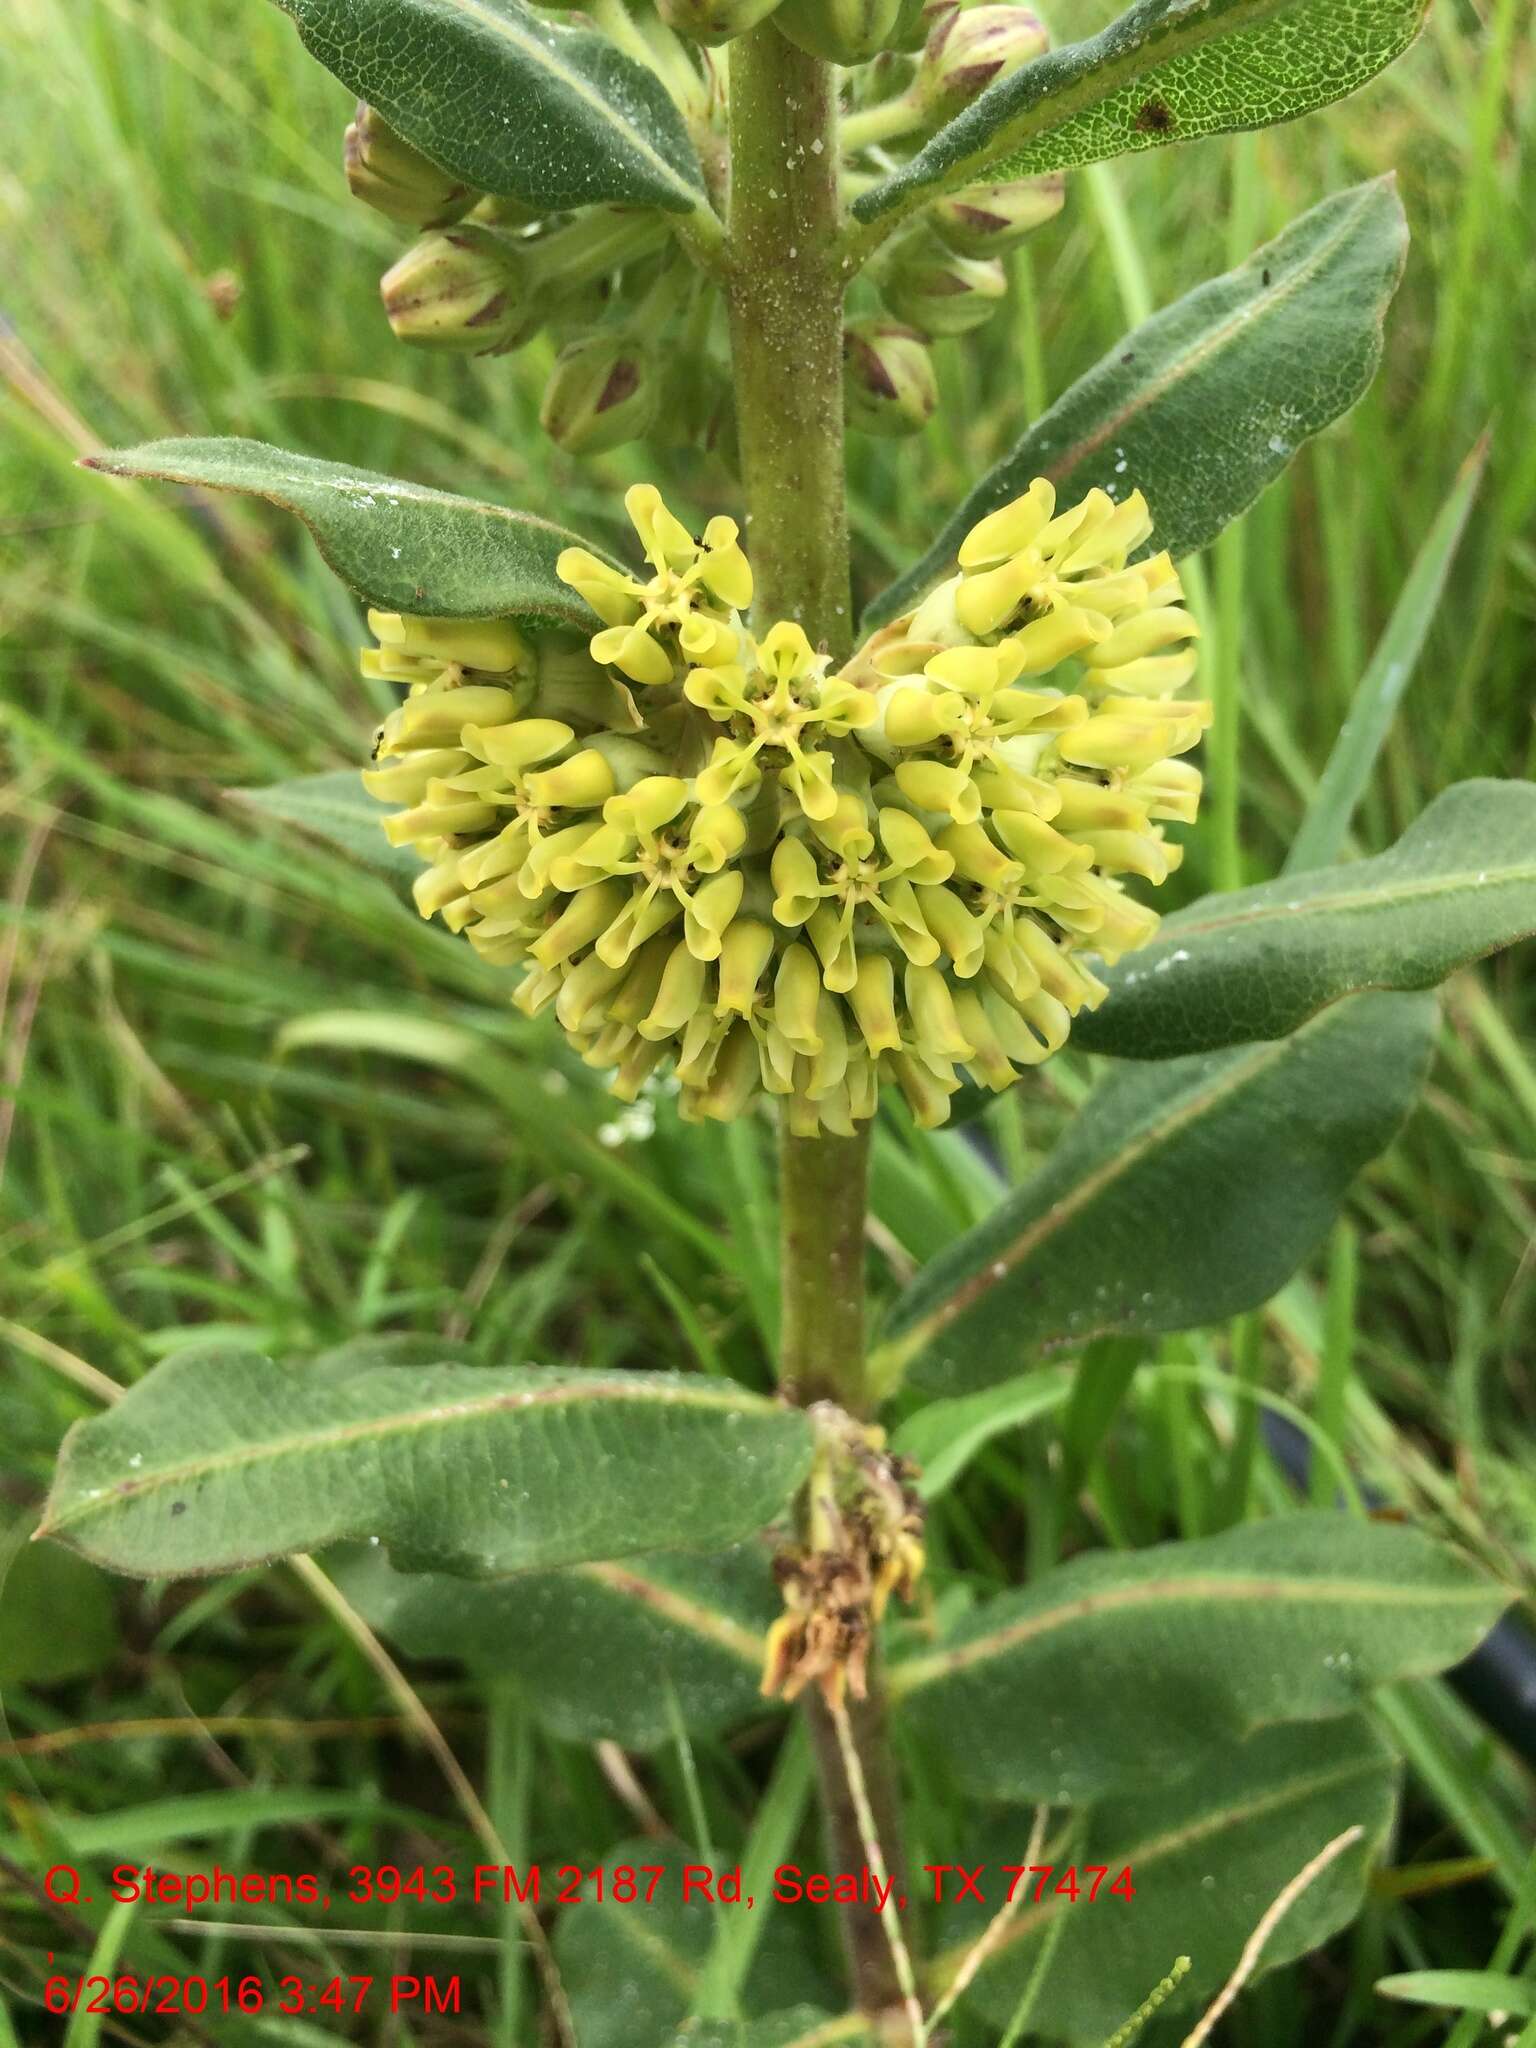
<point>822,1194</point>
<point>785,288</point>
<point>785,280</point>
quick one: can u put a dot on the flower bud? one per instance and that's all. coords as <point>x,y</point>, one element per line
<point>841,31</point>
<point>714,21</point>
<point>916,21</point>
<point>982,219</point>
<point>463,290</point>
<point>932,289</point>
<point>888,383</point>
<point>970,50</point>
<point>601,392</point>
<point>388,174</point>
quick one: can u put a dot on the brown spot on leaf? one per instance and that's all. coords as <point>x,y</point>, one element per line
<point>1155,117</point>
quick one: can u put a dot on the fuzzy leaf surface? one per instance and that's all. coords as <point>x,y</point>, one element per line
<point>509,101</point>
<point>1459,884</point>
<point>401,546</point>
<point>218,1458</point>
<point>596,1646</point>
<point>1164,71</point>
<point>1187,1648</point>
<point>1184,1192</point>
<point>335,807</point>
<point>1204,404</point>
<point>1249,1821</point>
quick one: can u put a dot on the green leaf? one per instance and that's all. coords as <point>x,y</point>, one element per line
<point>1207,1856</point>
<point>221,1458</point>
<point>509,101</point>
<point>1183,1193</point>
<point>596,1646</point>
<point>1388,674</point>
<point>56,1618</point>
<point>1463,1991</point>
<point>401,546</point>
<point>1256,963</point>
<point>1204,404</point>
<point>1164,71</point>
<point>1124,1666</point>
<point>334,806</point>
<point>944,1436</point>
<point>631,1970</point>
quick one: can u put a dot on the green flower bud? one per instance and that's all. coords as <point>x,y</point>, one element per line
<point>602,392</point>
<point>464,290</point>
<point>980,220</point>
<point>932,289</point>
<point>388,174</point>
<point>970,50</point>
<point>498,211</point>
<point>841,31</point>
<point>916,21</point>
<point>888,383</point>
<point>714,21</point>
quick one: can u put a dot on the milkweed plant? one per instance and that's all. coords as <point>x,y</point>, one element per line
<point>765,851</point>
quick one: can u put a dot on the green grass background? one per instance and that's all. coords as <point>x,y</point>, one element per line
<point>243,1089</point>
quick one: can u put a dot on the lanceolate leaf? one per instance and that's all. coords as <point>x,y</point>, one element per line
<point>401,546</point>
<point>219,1458</point>
<point>1183,1193</point>
<point>1461,882</point>
<point>596,1646</point>
<point>1127,1665</point>
<point>1165,71</point>
<point>509,101</point>
<point>1206,402</point>
<point>1207,1855</point>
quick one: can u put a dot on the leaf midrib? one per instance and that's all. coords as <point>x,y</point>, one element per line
<point>130,1493</point>
<point>1094,84</point>
<point>680,1609</point>
<point>1348,904</point>
<point>1240,321</point>
<point>910,1677</point>
<point>1199,1102</point>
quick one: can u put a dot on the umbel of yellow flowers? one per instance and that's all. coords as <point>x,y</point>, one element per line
<point>710,850</point>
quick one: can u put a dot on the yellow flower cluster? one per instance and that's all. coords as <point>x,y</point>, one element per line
<point>708,847</point>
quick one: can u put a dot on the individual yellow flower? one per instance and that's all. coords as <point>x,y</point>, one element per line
<point>684,613</point>
<point>782,879</point>
<point>775,698</point>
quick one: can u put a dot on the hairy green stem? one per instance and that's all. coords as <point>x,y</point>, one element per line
<point>785,288</point>
<point>785,281</point>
